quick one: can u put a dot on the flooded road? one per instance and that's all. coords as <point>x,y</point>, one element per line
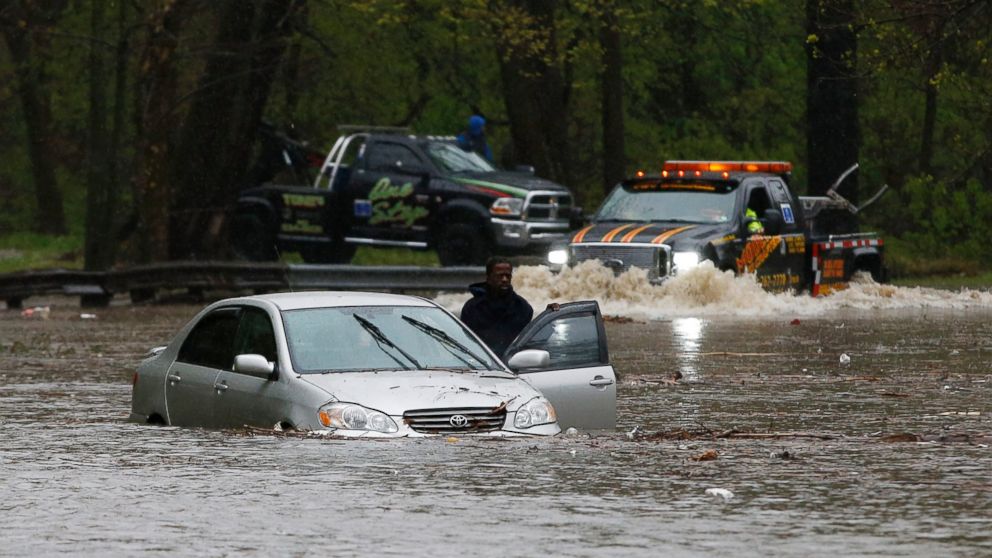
<point>856,425</point>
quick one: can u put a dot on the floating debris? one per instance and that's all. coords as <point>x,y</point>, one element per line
<point>721,494</point>
<point>37,312</point>
<point>708,455</point>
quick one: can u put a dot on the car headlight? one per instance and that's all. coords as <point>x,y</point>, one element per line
<point>534,412</point>
<point>348,416</point>
<point>685,260</point>
<point>558,256</point>
<point>510,207</point>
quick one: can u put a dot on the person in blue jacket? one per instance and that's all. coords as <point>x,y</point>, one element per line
<point>496,313</point>
<point>474,138</point>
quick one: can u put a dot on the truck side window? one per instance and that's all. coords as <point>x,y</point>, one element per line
<point>779,192</point>
<point>385,156</point>
<point>758,201</point>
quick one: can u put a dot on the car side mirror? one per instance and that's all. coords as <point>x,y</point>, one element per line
<point>529,358</point>
<point>255,365</point>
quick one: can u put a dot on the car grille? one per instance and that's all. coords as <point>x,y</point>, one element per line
<point>549,206</point>
<point>621,257</point>
<point>445,421</point>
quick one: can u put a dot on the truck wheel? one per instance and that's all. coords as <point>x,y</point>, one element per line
<point>252,240</point>
<point>336,253</point>
<point>462,244</point>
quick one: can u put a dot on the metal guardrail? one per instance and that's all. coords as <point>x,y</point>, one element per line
<point>142,283</point>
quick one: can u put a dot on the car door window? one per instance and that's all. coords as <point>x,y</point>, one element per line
<point>211,343</point>
<point>255,335</point>
<point>571,341</point>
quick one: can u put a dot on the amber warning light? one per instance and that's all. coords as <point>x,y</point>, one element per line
<point>696,167</point>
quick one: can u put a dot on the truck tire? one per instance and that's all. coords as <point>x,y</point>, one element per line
<point>252,239</point>
<point>462,243</point>
<point>335,253</point>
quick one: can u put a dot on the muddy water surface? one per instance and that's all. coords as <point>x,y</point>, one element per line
<point>728,388</point>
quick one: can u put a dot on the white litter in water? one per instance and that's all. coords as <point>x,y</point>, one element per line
<point>720,493</point>
<point>844,359</point>
<point>705,291</point>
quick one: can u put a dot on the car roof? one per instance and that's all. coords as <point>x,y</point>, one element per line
<point>323,299</point>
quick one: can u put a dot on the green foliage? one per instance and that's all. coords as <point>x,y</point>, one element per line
<point>20,251</point>
<point>394,256</point>
<point>948,220</point>
<point>712,79</point>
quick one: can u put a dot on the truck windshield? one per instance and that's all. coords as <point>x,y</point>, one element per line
<point>663,202</point>
<point>361,338</point>
<point>452,158</point>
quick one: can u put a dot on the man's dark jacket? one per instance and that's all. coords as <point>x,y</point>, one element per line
<point>496,319</point>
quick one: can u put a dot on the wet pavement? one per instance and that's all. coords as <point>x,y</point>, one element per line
<point>744,394</point>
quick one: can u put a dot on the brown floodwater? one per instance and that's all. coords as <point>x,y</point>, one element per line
<point>857,425</point>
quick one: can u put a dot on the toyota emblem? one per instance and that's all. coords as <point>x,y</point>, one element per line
<point>458,421</point>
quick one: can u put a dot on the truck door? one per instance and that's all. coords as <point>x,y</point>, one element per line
<point>775,256</point>
<point>579,381</point>
<point>389,197</point>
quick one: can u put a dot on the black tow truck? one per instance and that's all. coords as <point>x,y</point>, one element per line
<point>740,215</point>
<point>385,187</point>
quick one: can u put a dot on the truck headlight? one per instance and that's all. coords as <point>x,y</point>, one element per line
<point>685,260</point>
<point>348,416</point>
<point>508,207</point>
<point>558,256</point>
<point>535,412</point>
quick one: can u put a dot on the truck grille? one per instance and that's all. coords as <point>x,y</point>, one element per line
<point>447,421</point>
<point>548,206</point>
<point>621,257</point>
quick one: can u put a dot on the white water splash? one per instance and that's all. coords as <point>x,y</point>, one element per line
<point>707,292</point>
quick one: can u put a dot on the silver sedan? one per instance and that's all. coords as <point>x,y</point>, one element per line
<point>372,364</point>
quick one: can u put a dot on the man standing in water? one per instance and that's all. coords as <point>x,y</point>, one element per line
<point>496,313</point>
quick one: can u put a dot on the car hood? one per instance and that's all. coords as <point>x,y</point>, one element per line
<point>513,183</point>
<point>614,232</point>
<point>394,392</point>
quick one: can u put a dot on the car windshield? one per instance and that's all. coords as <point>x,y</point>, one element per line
<point>362,338</point>
<point>688,203</point>
<point>452,158</point>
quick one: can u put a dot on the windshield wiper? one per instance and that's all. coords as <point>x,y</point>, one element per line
<point>447,342</point>
<point>381,339</point>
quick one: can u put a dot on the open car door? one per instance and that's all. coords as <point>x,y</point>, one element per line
<point>579,380</point>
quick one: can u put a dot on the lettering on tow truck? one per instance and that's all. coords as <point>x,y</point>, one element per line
<point>756,251</point>
<point>303,201</point>
<point>833,268</point>
<point>299,212</point>
<point>389,204</point>
<point>796,244</point>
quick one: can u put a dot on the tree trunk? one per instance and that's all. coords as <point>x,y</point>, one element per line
<point>934,61</point>
<point>833,133</point>
<point>157,104</point>
<point>534,92</point>
<point>614,157</point>
<point>218,134</point>
<point>36,106</point>
<point>99,188</point>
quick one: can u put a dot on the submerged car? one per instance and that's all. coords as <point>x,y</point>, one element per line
<point>380,365</point>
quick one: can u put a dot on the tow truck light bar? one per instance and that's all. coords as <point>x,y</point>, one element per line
<point>681,168</point>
